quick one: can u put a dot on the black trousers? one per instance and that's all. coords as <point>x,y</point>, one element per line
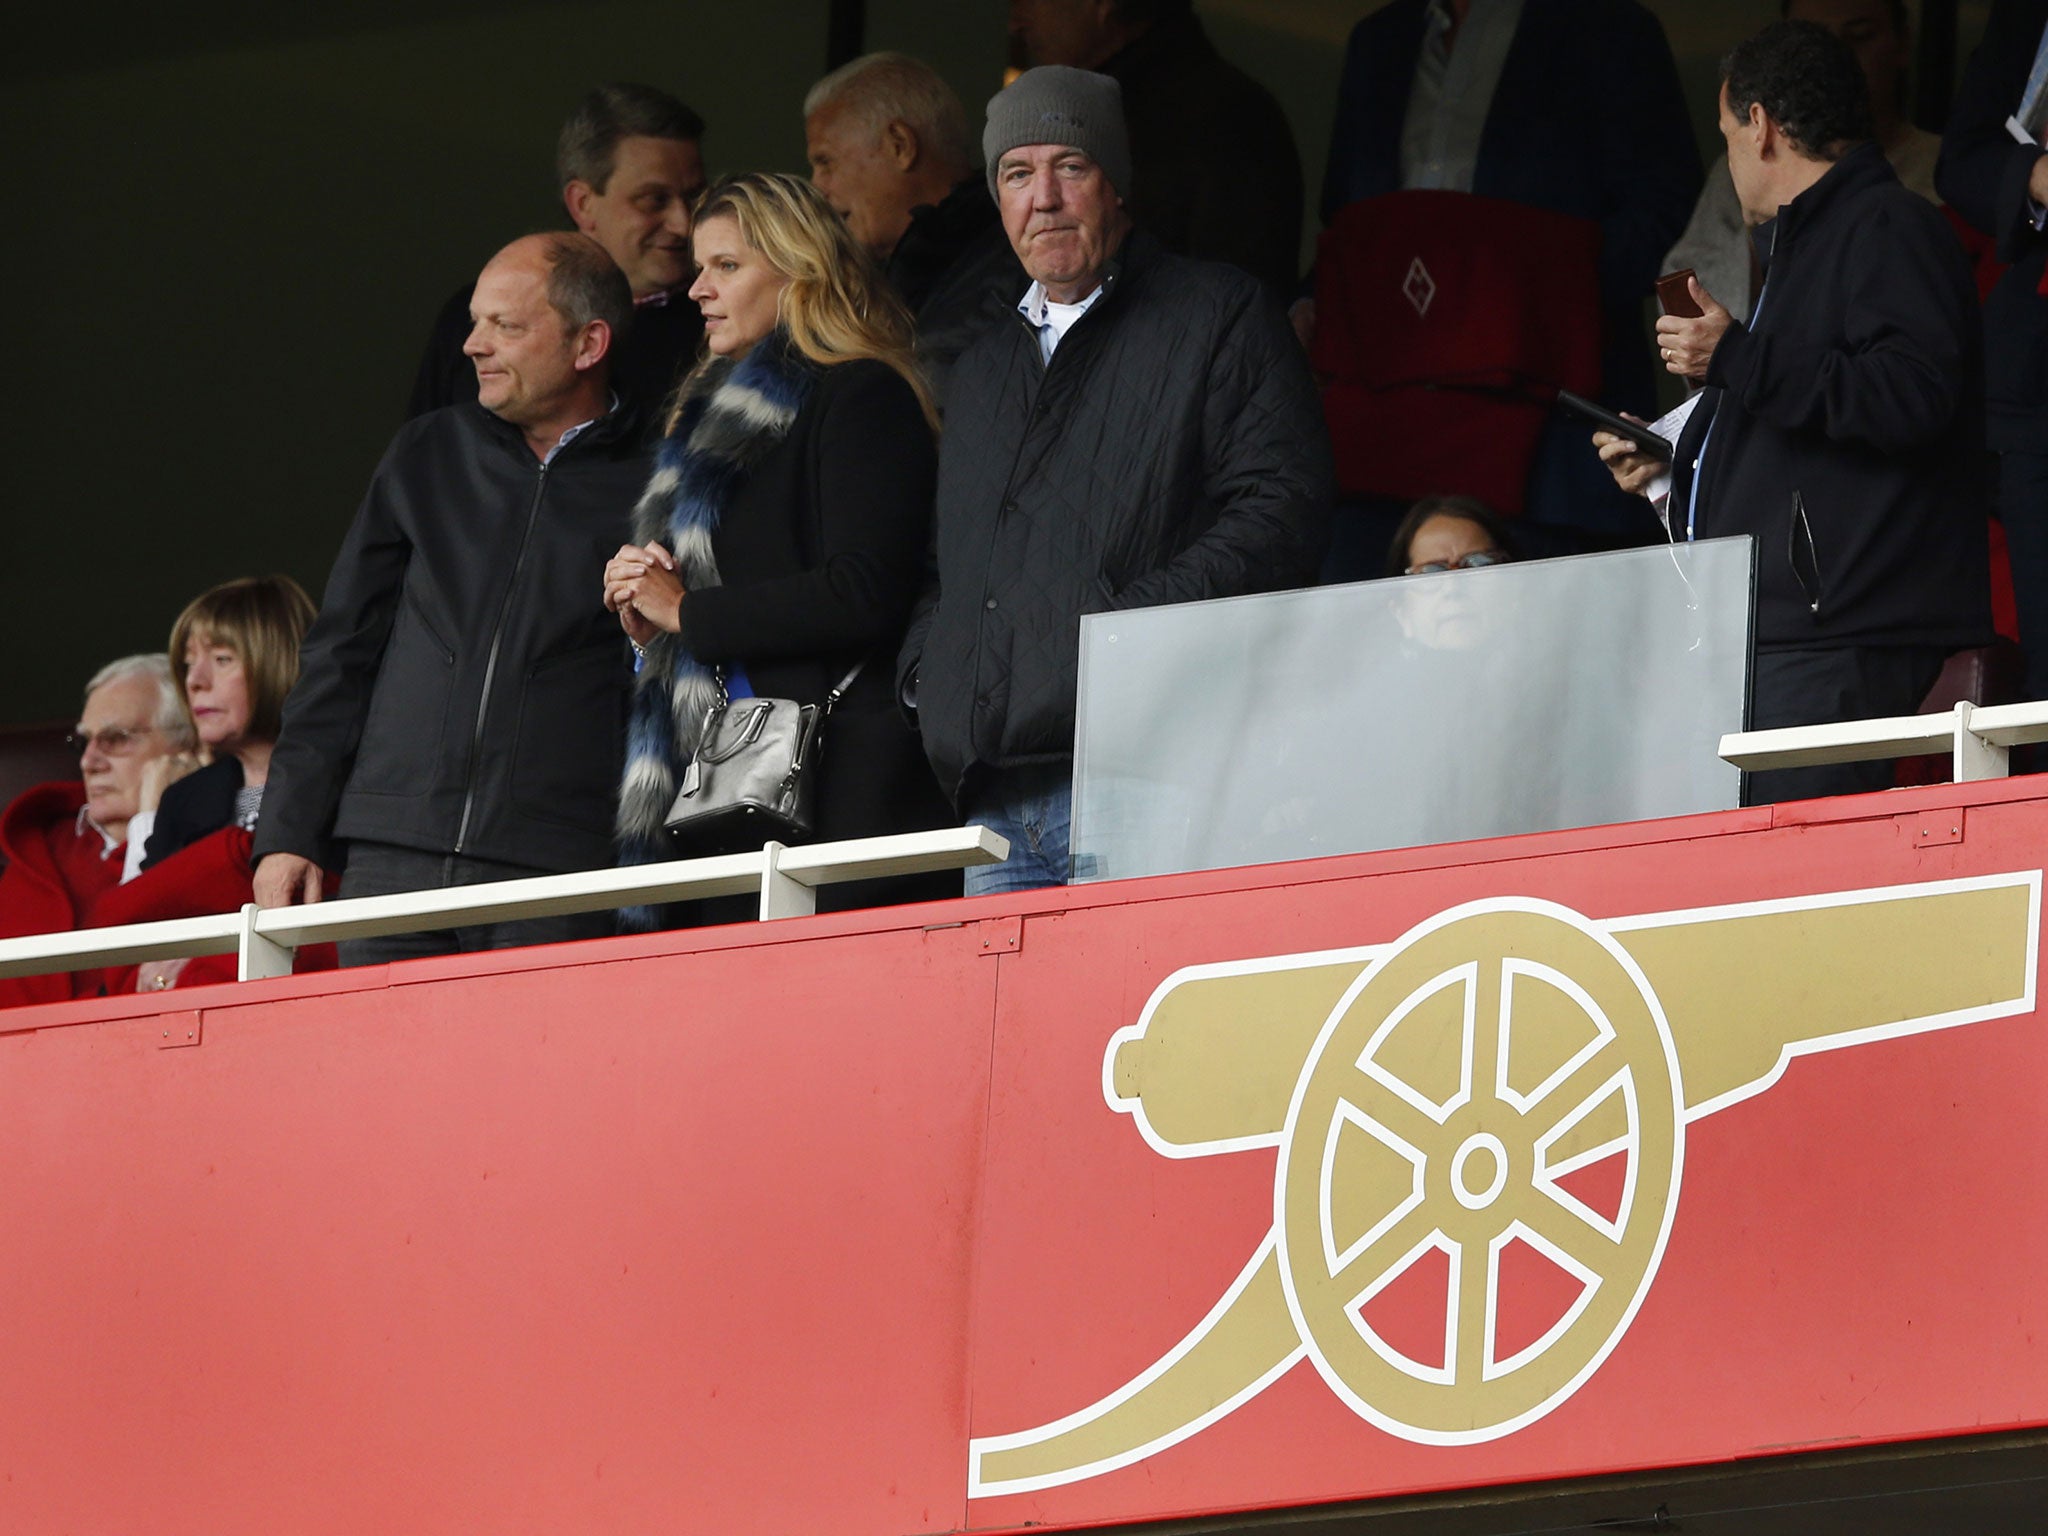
<point>383,869</point>
<point>1820,687</point>
<point>2023,508</point>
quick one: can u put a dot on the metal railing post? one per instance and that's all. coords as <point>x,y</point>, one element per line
<point>257,956</point>
<point>782,896</point>
<point>1975,757</point>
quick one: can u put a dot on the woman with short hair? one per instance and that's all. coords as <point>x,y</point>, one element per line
<point>234,656</point>
<point>782,537</point>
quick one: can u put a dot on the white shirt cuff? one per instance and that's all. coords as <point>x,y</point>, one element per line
<point>140,825</point>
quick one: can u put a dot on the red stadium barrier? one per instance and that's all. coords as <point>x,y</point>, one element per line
<point>1638,1147</point>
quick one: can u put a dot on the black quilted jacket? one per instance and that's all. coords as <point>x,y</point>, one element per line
<point>1173,450</point>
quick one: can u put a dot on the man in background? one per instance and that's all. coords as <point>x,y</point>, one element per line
<point>2000,187</point>
<point>889,147</point>
<point>1562,128</point>
<point>62,842</point>
<point>629,163</point>
<point>1214,168</point>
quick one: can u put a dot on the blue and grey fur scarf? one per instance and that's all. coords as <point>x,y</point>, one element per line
<point>733,416</point>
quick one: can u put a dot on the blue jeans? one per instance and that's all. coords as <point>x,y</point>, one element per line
<point>1033,808</point>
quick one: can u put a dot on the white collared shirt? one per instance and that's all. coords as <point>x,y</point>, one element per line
<point>1051,318</point>
<point>576,431</point>
<point>1453,93</point>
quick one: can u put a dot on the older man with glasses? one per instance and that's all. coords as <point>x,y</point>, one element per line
<point>63,841</point>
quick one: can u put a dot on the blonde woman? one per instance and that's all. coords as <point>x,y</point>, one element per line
<point>782,536</point>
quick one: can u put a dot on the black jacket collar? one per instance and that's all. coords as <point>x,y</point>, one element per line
<point>1857,171</point>
<point>619,425</point>
<point>938,233</point>
<point>1162,45</point>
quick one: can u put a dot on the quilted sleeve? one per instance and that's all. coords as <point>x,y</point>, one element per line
<point>1266,470</point>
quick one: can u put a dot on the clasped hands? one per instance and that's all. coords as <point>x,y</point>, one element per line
<point>642,588</point>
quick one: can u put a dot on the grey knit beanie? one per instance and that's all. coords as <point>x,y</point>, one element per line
<point>1054,104</point>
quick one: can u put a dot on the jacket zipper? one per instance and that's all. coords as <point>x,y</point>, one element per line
<point>483,703</point>
<point>1801,524</point>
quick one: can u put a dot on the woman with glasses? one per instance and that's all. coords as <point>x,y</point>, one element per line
<point>1447,533</point>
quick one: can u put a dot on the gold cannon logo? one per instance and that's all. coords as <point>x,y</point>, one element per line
<point>1483,1125</point>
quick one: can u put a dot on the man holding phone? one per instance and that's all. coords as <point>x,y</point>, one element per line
<point>1839,426</point>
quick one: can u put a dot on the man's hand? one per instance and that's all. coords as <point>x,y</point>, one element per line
<point>1632,470</point>
<point>1301,314</point>
<point>286,880</point>
<point>641,587</point>
<point>160,773</point>
<point>2037,183</point>
<point>1688,344</point>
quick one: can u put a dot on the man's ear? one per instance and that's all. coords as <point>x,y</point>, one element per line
<point>900,145</point>
<point>1762,130</point>
<point>577,197</point>
<point>593,346</point>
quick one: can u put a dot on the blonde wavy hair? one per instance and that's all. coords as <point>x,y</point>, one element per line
<point>837,306</point>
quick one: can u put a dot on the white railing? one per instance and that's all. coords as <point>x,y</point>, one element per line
<point>1979,739</point>
<point>265,941</point>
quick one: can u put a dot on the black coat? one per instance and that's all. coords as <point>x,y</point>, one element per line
<point>1173,450</point>
<point>1983,176</point>
<point>1214,168</point>
<point>819,558</point>
<point>1847,421</point>
<point>657,350</point>
<point>955,269</point>
<point>463,689</point>
<point>197,806</point>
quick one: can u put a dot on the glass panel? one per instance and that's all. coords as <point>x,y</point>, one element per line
<point>1424,709</point>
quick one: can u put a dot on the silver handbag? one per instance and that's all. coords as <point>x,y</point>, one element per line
<point>754,776</point>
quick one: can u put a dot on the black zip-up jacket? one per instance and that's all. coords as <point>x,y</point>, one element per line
<point>1172,450</point>
<point>1847,425</point>
<point>463,689</point>
<point>1983,174</point>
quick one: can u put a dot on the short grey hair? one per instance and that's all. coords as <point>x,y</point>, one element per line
<point>171,718</point>
<point>881,88</point>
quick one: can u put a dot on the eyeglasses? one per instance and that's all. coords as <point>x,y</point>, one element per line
<point>110,739</point>
<point>1470,562</point>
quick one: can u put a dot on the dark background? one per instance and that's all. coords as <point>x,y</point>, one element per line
<point>233,224</point>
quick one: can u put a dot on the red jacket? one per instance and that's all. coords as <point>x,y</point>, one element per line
<point>47,885</point>
<point>211,875</point>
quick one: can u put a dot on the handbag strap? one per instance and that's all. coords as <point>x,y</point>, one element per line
<point>839,688</point>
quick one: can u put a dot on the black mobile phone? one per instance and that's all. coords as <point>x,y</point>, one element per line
<point>1646,440</point>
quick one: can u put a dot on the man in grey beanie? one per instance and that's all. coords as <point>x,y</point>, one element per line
<point>1147,433</point>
